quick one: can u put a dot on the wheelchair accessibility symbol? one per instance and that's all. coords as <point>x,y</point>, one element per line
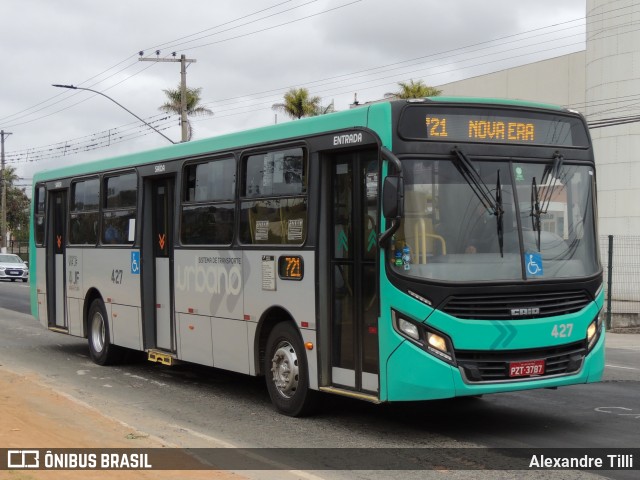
<point>135,263</point>
<point>533,262</point>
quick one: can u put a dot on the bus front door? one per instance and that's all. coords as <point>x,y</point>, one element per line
<point>56,246</point>
<point>353,253</point>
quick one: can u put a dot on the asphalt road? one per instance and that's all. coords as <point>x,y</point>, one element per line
<point>15,296</point>
<point>193,406</point>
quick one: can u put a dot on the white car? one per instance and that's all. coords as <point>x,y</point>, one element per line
<point>13,267</point>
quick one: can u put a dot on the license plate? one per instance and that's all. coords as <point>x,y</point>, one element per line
<point>13,272</point>
<point>526,369</point>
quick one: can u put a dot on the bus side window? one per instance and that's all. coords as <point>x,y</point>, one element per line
<point>85,214</point>
<point>119,209</point>
<point>208,204</point>
<point>39,222</point>
<point>274,187</point>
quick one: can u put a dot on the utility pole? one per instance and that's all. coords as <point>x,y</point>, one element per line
<point>183,85</point>
<point>3,134</point>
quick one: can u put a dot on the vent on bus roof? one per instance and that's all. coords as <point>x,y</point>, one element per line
<point>515,306</point>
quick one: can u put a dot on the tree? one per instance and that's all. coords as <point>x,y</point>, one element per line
<point>417,89</point>
<point>174,105</point>
<point>298,103</point>
<point>17,203</point>
<point>328,109</point>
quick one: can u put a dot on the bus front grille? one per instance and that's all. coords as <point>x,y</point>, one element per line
<point>515,306</point>
<point>490,366</point>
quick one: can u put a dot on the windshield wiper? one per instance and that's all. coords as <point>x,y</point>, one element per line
<point>499,214</point>
<point>473,179</point>
<point>539,207</point>
<point>554,171</point>
<point>535,210</point>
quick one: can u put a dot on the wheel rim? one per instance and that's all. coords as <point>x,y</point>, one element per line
<point>98,333</point>
<point>284,366</point>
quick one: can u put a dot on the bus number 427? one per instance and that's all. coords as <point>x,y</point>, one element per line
<point>116,276</point>
<point>562,330</point>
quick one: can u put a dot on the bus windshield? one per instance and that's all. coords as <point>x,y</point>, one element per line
<point>448,233</point>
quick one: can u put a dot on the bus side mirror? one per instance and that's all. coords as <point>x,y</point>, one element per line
<point>392,197</point>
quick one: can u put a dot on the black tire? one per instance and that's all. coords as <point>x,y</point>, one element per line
<point>286,372</point>
<point>13,279</point>
<point>101,350</point>
<point>24,280</point>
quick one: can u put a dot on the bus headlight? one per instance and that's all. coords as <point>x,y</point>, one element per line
<point>427,338</point>
<point>593,331</point>
<point>437,342</point>
<point>408,329</point>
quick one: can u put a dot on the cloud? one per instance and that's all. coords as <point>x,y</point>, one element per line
<point>74,41</point>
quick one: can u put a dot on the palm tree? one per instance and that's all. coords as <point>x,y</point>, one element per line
<point>417,89</point>
<point>174,105</point>
<point>10,176</point>
<point>298,103</point>
<point>328,109</point>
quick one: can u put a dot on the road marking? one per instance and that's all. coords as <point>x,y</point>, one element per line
<point>608,410</point>
<point>138,377</point>
<point>617,366</point>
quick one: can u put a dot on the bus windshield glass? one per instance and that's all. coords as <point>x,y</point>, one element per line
<point>546,228</point>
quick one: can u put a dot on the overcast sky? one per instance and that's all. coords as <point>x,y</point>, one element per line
<point>248,55</point>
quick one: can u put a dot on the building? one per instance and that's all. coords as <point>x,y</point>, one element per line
<point>603,82</point>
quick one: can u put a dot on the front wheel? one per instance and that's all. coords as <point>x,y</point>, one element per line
<point>101,350</point>
<point>286,372</point>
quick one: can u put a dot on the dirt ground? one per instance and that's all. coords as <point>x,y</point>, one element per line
<point>35,416</point>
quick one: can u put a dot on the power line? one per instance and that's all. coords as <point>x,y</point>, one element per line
<point>69,149</point>
<point>171,44</point>
<point>91,137</point>
<point>442,53</point>
<point>64,149</point>
<point>251,33</point>
<point>614,121</point>
<point>5,119</point>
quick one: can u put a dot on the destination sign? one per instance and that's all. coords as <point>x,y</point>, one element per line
<point>291,267</point>
<point>490,125</point>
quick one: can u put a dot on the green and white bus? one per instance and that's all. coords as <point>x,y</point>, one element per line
<point>406,250</point>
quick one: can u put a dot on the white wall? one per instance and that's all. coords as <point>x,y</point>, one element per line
<point>559,81</point>
<point>613,90</point>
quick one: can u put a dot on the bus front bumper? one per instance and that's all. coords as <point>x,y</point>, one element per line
<point>430,378</point>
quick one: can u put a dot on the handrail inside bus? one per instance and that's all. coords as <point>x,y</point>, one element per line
<point>395,223</point>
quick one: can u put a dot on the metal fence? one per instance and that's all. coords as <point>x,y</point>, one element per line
<point>620,255</point>
<point>19,248</point>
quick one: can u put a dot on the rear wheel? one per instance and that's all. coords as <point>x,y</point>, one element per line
<point>101,350</point>
<point>286,372</point>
